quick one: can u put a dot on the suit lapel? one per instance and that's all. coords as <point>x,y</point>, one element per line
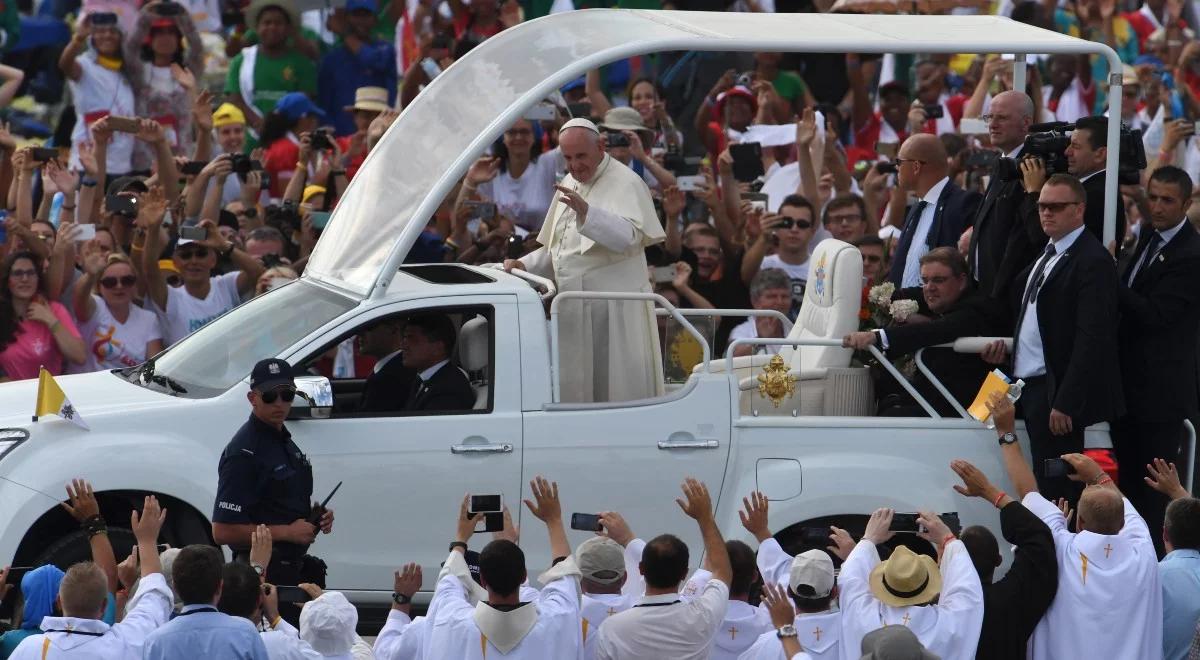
<point>933,238</point>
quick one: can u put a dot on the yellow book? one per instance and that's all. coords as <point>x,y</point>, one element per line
<point>994,382</point>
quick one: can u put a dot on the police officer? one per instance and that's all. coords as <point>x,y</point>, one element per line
<point>264,478</point>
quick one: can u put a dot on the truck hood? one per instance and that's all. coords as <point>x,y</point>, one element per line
<point>94,395</point>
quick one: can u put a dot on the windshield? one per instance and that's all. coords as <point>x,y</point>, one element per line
<point>214,358</point>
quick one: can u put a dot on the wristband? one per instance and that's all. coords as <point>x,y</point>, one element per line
<point>1102,479</point>
<point>999,496</point>
<point>949,538</point>
<point>458,544</point>
<point>95,524</point>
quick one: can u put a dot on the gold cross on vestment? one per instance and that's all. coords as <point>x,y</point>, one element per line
<point>1107,549</point>
<point>817,633</point>
<point>906,618</point>
<point>733,632</point>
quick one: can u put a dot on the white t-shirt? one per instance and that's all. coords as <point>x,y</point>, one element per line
<point>749,330</point>
<point>527,198</point>
<point>206,14</point>
<point>185,314</point>
<point>797,273</point>
<point>115,345</point>
<point>101,91</point>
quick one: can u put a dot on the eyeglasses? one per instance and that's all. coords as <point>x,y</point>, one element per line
<point>18,274</point>
<point>989,118</point>
<point>193,253</point>
<point>844,219</point>
<point>1054,207</point>
<point>112,282</point>
<point>285,393</point>
<point>901,161</point>
<point>936,281</point>
<point>788,223</point>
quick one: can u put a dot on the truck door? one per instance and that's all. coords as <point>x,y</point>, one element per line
<point>404,473</point>
<point>631,459</point>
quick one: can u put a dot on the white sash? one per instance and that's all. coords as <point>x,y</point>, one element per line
<point>246,78</point>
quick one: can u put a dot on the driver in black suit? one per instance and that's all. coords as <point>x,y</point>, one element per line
<point>426,345</point>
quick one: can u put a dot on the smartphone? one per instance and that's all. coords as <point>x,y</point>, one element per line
<point>492,522</point>
<point>485,211</point>
<point>43,154</point>
<point>758,201</point>
<point>663,274</point>
<point>193,167</point>
<point>934,111</point>
<point>85,232</point>
<point>540,112</point>
<point>485,504</point>
<point>884,167</point>
<point>888,149</point>
<point>102,19</point>
<point>124,205</point>
<point>1057,467</point>
<point>193,233</point>
<point>291,594</point>
<point>580,110</point>
<point>690,183</point>
<point>973,126</point>
<point>168,9</point>
<point>431,68</point>
<point>15,573</point>
<point>123,124</point>
<point>616,139</point>
<point>818,536</point>
<point>905,522</point>
<point>514,248</point>
<point>586,522</point>
<point>747,161</point>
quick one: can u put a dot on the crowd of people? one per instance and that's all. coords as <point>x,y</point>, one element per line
<point>1083,582</point>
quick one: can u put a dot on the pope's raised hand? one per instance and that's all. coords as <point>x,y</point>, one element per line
<point>574,201</point>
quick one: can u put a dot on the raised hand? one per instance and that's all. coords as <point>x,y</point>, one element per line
<point>1165,479</point>
<point>840,541</point>
<point>754,515</point>
<point>806,128</point>
<point>545,505</point>
<point>613,525</point>
<point>932,528</point>
<point>183,76</point>
<point>152,208</point>
<point>574,201</point>
<point>673,201</point>
<point>260,546</point>
<point>407,580</point>
<point>465,523</point>
<point>202,111</point>
<point>778,604</point>
<point>81,501</point>
<point>697,503</point>
<point>879,526</point>
<point>149,522</point>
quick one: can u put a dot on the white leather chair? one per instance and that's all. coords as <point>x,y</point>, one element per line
<point>826,384</point>
<point>473,355</point>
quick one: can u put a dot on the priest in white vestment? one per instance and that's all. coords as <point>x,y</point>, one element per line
<point>1109,601</point>
<point>900,590</point>
<point>593,239</point>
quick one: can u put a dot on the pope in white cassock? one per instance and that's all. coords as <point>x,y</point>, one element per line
<point>593,239</point>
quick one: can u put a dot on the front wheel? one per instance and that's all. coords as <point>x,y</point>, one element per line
<point>75,547</point>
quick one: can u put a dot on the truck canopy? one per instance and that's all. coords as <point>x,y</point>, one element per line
<point>467,107</point>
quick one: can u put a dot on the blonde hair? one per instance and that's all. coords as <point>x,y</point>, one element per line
<point>113,258</point>
<point>84,591</point>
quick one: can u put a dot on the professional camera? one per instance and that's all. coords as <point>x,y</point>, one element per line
<point>1049,141</point>
<point>283,217</point>
<point>241,164</point>
<point>321,139</point>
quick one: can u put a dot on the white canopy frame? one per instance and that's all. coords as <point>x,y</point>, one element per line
<point>451,122</point>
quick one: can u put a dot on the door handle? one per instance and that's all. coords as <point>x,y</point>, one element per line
<point>688,444</point>
<point>503,448</point>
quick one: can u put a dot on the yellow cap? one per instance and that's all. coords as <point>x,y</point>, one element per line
<point>167,266</point>
<point>228,114</point>
<point>312,191</point>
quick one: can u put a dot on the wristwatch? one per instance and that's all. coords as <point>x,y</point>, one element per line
<point>258,568</point>
<point>454,544</point>
<point>1007,439</point>
<point>788,630</point>
<point>400,599</point>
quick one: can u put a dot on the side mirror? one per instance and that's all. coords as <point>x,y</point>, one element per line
<point>314,398</point>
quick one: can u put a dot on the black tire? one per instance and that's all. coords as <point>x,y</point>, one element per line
<point>791,539</point>
<point>74,548</point>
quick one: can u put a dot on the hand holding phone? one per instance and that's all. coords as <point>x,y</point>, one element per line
<point>1057,467</point>
<point>586,522</point>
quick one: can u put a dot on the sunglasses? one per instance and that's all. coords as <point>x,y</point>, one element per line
<point>844,219</point>
<point>193,253</point>
<point>125,281</point>
<point>788,223</point>
<point>1054,207</point>
<point>285,393</point>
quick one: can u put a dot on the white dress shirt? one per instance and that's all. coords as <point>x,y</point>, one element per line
<point>1166,237</point>
<point>919,248</point>
<point>1030,357</point>
<point>665,627</point>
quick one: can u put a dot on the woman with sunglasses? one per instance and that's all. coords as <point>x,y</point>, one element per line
<point>118,333</point>
<point>34,332</point>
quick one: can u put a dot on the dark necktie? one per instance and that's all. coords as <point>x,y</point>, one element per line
<point>1148,256</point>
<point>417,386</point>
<point>896,274</point>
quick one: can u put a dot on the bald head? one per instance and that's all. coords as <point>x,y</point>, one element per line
<point>1011,116</point>
<point>1101,511</point>
<point>922,163</point>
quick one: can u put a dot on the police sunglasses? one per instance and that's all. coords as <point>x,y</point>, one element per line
<point>285,393</point>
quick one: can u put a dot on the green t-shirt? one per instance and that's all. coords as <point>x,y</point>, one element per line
<point>274,77</point>
<point>788,85</point>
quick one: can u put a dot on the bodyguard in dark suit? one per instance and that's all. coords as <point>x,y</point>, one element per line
<point>1003,241</point>
<point>1160,321</point>
<point>440,386</point>
<point>387,387</point>
<point>1086,157</point>
<point>1065,336</point>
<point>940,215</point>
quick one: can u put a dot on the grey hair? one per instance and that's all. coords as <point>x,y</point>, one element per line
<point>769,278</point>
<point>1025,107</point>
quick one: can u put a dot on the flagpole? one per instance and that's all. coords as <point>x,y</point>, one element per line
<point>39,392</point>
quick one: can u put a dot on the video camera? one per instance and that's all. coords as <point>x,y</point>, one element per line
<point>1049,141</point>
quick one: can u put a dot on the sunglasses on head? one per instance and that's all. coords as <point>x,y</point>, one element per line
<point>285,393</point>
<point>193,253</point>
<point>125,281</point>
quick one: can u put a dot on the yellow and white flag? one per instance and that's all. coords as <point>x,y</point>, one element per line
<point>52,401</point>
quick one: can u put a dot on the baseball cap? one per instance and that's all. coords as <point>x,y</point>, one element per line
<point>894,643</point>
<point>271,373</point>
<point>601,560</point>
<point>128,184</point>
<point>811,575</point>
<point>328,624</point>
<point>310,192</point>
<point>295,105</point>
<point>228,114</point>
<point>356,5</point>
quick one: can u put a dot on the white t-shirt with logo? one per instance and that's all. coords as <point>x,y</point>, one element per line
<point>115,345</point>
<point>525,200</point>
<point>797,273</point>
<point>185,314</point>
<point>99,91</point>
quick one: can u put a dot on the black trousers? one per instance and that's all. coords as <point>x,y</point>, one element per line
<point>1137,443</point>
<point>1035,408</point>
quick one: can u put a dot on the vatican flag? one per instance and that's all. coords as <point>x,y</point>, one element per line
<point>52,401</point>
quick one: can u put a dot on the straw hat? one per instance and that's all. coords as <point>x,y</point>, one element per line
<point>371,99</point>
<point>624,119</point>
<point>906,578</point>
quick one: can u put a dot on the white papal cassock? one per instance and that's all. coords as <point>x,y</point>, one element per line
<point>608,350</point>
<point>1109,602</point>
<point>547,627</point>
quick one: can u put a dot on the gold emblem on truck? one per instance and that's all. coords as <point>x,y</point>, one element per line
<point>775,383</point>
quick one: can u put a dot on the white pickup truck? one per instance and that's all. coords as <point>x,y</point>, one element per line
<point>816,453</point>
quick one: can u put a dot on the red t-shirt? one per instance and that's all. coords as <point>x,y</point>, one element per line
<point>866,136</point>
<point>280,162</point>
<point>355,161</point>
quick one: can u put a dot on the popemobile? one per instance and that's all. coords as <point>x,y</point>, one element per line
<point>799,428</point>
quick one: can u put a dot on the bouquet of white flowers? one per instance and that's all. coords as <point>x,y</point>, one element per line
<point>879,311</point>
